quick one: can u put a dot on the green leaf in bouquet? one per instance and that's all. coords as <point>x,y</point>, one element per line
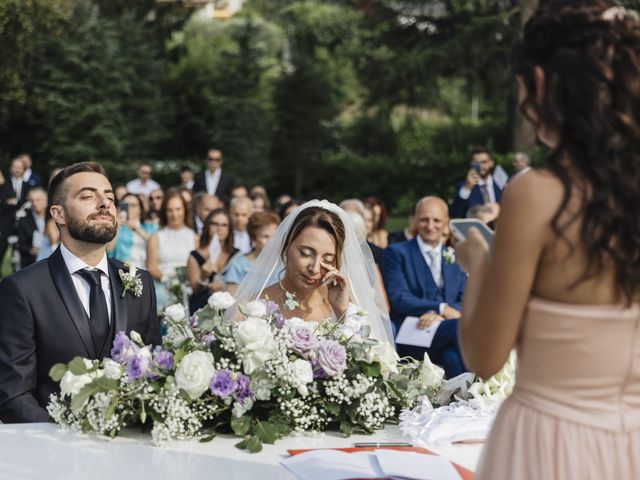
<point>241,425</point>
<point>332,408</point>
<point>106,384</point>
<point>111,409</point>
<point>265,432</point>
<point>242,445</point>
<point>180,353</point>
<point>280,423</point>
<point>346,428</point>
<point>77,366</point>
<point>253,445</point>
<point>80,399</point>
<point>57,372</point>
<point>208,438</point>
<point>371,369</point>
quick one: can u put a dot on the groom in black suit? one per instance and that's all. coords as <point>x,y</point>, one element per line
<point>70,304</point>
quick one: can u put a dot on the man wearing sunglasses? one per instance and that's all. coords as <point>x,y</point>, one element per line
<point>213,180</point>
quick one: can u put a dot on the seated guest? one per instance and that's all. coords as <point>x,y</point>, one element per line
<point>260,202</point>
<point>240,210</point>
<point>29,176</point>
<point>423,282</point>
<point>30,228</point>
<point>144,184</point>
<point>120,191</point>
<point>186,177</point>
<point>378,236</point>
<point>50,240</point>
<point>202,270</point>
<point>487,214</point>
<point>153,205</point>
<point>168,249</point>
<point>287,207</point>
<point>203,205</point>
<point>407,233</point>
<point>260,228</point>
<point>239,191</point>
<point>133,234</point>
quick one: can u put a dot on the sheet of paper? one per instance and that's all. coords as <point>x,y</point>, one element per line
<point>410,334</point>
<point>333,465</point>
<point>415,466</point>
<point>214,249</point>
<point>500,177</point>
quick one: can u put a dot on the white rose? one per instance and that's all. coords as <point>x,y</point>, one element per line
<point>252,333</point>
<point>293,322</point>
<point>303,374</point>
<point>194,373</point>
<point>132,268</point>
<point>135,337</point>
<point>386,355</point>
<point>175,312</point>
<point>221,300</point>
<point>431,374</point>
<point>112,370</point>
<point>72,384</point>
<point>257,308</point>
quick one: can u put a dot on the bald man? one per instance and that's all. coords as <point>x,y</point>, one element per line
<point>422,283</point>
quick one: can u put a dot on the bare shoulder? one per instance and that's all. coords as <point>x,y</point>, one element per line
<point>538,191</point>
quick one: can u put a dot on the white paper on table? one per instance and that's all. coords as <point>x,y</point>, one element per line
<point>333,465</point>
<point>500,177</point>
<point>214,249</point>
<point>410,334</point>
<point>415,466</point>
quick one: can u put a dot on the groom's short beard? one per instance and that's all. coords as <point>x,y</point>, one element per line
<point>86,232</point>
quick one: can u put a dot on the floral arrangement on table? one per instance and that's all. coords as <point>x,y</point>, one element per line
<point>260,378</point>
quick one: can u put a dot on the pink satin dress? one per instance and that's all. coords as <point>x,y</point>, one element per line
<point>575,410</point>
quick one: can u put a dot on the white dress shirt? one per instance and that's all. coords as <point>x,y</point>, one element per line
<point>464,192</point>
<point>74,264</point>
<point>27,175</point>
<point>212,180</point>
<point>436,271</point>
<point>242,241</point>
<point>137,187</point>
<point>17,186</point>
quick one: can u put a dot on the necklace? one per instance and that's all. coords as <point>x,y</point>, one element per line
<point>292,304</point>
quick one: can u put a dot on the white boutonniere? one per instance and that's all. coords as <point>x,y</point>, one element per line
<point>131,280</point>
<point>449,255</point>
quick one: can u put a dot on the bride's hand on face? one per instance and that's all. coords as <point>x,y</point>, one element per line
<point>337,288</point>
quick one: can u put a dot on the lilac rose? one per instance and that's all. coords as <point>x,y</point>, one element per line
<point>123,348</point>
<point>222,384</point>
<point>163,358</point>
<point>303,340</point>
<point>242,389</point>
<point>137,367</point>
<point>332,357</point>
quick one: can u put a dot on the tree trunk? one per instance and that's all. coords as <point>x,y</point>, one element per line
<point>524,135</point>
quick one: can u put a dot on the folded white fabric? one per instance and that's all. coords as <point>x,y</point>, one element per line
<point>457,422</point>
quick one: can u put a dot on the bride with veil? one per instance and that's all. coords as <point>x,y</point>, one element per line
<point>314,267</point>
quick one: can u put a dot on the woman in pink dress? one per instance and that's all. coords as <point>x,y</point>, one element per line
<point>562,283</point>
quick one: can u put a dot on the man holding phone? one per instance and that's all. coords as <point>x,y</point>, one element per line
<point>478,188</point>
<point>424,281</point>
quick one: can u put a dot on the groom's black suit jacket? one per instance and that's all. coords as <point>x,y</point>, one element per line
<point>42,322</point>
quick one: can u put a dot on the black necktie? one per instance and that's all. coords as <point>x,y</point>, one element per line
<point>99,314</point>
<point>484,189</point>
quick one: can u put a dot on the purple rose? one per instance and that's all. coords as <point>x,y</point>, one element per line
<point>318,372</point>
<point>278,320</point>
<point>302,339</point>
<point>123,348</point>
<point>272,308</point>
<point>163,358</point>
<point>222,384</point>
<point>332,357</point>
<point>137,367</point>
<point>242,389</point>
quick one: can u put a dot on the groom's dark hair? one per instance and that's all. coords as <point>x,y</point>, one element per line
<point>57,191</point>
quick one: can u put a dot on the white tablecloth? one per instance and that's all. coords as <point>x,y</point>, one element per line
<point>43,451</point>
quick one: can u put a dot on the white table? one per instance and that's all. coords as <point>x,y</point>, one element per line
<point>43,451</point>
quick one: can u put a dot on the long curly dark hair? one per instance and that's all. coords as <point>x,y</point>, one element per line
<point>589,51</point>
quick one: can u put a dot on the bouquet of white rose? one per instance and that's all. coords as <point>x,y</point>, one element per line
<point>260,378</point>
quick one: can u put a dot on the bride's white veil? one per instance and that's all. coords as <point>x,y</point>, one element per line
<point>356,263</point>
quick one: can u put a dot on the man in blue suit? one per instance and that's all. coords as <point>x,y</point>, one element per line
<point>478,188</point>
<point>423,280</point>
